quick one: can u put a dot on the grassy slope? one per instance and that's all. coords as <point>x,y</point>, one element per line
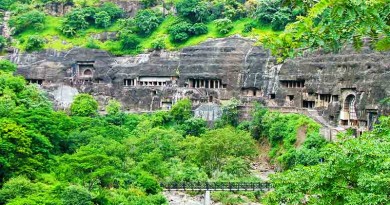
<point>57,41</point>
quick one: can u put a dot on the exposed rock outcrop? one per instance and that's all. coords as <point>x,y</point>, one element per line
<point>335,89</point>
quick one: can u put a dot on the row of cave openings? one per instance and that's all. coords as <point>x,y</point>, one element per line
<point>169,81</point>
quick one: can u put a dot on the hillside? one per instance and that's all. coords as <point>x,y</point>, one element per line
<point>149,26</point>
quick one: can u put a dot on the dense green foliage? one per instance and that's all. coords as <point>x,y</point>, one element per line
<point>354,171</point>
<point>50,157</point>
<point>32,19</point>
<point>84,105</point>
<point>192,24</point>
<point>331,24</point>
<point>34,42</point>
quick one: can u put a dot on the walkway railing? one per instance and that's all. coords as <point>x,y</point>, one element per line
<point>216,186</point>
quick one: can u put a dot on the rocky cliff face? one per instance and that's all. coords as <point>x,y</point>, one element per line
<point>344,88</point>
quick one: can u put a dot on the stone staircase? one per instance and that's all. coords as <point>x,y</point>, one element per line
<point>327,130</point>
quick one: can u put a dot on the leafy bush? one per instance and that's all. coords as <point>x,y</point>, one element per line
<point>73,22</point>
<point>76,195</point>
<point>92,44</point>
<point>4,4</point>
<point>158,44</point>
<point>3,42</point>
<point>193,10</point>
<point>248,27</point>
<point>149,183</point>
<point>7,66</point>
<point>179,31</point>
<point>224,26</point>
<point>30,20</point>
<point>181,110</point>
<point>199,29</point>
<point>281,18</point>
<point>266,10</point>
<point>149,3</point>
<point>35,42</point>
<point>129,41</point>
<point>84,105</point>
<point>113,10</point>
<point>274,13</point>
<point>102,19</point>
<point>147,21</point>
<point>351,167</point>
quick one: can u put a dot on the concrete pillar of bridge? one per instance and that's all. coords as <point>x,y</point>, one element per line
<point>207,198</point>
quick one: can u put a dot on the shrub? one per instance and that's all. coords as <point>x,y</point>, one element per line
<point>35,42</point>
<point>147,21</point>
<point>33,19</point>
<point>92,44</point>
<point>129,41</point>
<point>74,21</point>
<point>266,9</point>
<point>113,10</point>
<point>76,194</point>
<point>3,42</point>
<point>224,25</point>
<point>7,66</point>
<point>193,10</point>
<point>248,27</point>
<point>182,110</point>
<point>281,18</point>
<point>179,31</point>
<point>149,3</point>
<point>149,183</point>
<point>4,4</point>
<point>102,19</point>
<point>158,44</point>
<point>84,105</point>
<point>199,29</point>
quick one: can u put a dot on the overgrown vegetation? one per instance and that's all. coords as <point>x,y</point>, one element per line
<point>52,157</point>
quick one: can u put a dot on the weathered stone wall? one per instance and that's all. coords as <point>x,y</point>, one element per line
<point>217,70</point>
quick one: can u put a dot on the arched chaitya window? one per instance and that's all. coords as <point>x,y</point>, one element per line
<point>350,106</point>
<point>88,72</point>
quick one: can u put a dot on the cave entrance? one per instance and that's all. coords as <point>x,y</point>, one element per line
<point>350,109</point>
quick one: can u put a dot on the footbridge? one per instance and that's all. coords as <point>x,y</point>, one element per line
<point>207,187</point>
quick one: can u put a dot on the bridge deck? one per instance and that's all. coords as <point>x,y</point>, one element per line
<point>216,186</point>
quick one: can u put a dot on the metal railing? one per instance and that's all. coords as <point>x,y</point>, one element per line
<point>216,186</point>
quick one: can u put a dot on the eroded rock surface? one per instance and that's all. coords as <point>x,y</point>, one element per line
<point>334,89</point>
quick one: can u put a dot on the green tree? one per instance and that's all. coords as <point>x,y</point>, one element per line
<point>224,25</point>
<point>179,31</point>
<point>354,171</point>
<point>113,107</point>
<point>193,10</point>
<point>147,21</point>
<point>181,110</point>
<point>113,10</point>
<point>84,105</point>
<point>229,114</point>
<point>331,24</point>
<point>158,44</point>
<point>7,66</point>
<point>129,41</point>
<point>74,22</point>
<point>31,20</point>
<point>21,151</point>
<point>194,126</point>
<point>76,195</point>
<point>221,144</point>
<point>3,42</point>
<point>35,42</point>
<point>102,19</point>
<point>149,183</point>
